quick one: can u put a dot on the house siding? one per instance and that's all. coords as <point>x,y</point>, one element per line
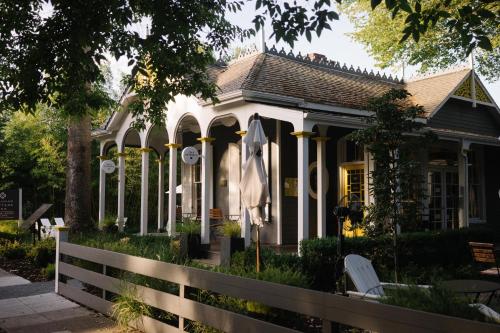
<point>492,185</point>
<point>460,116</point>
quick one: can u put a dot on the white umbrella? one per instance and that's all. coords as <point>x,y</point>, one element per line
<point>253,186</point>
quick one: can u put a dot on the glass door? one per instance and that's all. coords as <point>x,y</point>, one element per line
<point>443,198</point>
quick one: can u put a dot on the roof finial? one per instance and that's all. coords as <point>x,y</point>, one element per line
<point>472,79</point>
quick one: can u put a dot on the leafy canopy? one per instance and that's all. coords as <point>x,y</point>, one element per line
<point>50,51</point>
<point>438,48</point>
<point>467,18</point>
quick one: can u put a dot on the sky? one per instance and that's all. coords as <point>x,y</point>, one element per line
<point>335,45</point>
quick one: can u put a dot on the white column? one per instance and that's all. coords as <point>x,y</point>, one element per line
<point>144,190</point>
<point>302,185</point>
<point>321,184</point>
<point>206,181</point>
<point>121,190</point>
<point>463,183</point>
<point>172,186</point>
<point>161,192</point>
<point>246,232</point>
<point>102,192</point>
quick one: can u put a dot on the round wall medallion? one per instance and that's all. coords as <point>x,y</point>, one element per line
<point>190,155</point>
<point>313,180</point>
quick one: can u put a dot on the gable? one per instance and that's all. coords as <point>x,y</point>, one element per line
<point>458,115</point>
<point>465,90</point>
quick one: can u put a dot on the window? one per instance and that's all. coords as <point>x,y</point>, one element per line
<point>475,190</point>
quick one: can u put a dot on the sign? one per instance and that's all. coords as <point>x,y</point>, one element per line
<point>10,204</point>
<point>108,166</point>
<point>190,155</point>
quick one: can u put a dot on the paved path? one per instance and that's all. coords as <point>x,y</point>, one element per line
<point>34,307</point>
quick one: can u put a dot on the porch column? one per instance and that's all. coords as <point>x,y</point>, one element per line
<point>161,192</point>
<point>102,191</point>
<point>302,185</point>
<point>206,181</point>
<point>246,231</point>
<point>463,185</point>
<point>121,190</point>
<point>144,190</point>
<point>172,188</point>
<point>321,186</point>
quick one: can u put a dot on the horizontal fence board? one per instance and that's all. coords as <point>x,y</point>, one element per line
<point>82,297</point>
<point>218,318</point>
<point>335,308</point>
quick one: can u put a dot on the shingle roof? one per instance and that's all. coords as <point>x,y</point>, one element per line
<point>327,82</point>
<point>430,92</point>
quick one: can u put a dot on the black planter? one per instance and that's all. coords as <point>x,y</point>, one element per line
<point>190,245</point>
<point>228,246</point>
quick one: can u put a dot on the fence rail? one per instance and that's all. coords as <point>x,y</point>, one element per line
<point>328,307</point>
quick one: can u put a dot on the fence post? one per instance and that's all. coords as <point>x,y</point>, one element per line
<point>61,236</point>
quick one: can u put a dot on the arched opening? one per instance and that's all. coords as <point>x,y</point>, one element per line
<point>188,192</point>
<point>132,207</point>
<point>157,178</point>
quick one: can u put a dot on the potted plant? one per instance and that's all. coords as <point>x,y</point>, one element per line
<point>230,242</point>
<point>190,239</point>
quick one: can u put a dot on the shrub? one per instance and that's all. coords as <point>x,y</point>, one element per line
<point>189,226</point>
<point>49,272</point>
<point>425,250</point>
<point>435,300</point>
<point>13,250</point>
<point>245,260</point>
<point>230,229</point>
<point>128,308</point>
<point>9,230</point>
<point>109,224</point>
<point>44,252</point>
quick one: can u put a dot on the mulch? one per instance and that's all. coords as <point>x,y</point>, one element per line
<point>24,268</point>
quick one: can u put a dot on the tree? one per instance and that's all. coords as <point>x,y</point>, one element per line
<point>439,48</point>
<point>394,138</point>
<point>50,53</point>
<point>461,25</point>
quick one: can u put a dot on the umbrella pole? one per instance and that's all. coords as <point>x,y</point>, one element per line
<point>258,249</point>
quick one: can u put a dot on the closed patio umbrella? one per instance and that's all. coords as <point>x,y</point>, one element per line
<point>253,186</point>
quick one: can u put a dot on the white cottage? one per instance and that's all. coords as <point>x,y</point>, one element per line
<point>308,105</point>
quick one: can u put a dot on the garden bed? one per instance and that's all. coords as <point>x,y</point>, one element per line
<point>24,268</point>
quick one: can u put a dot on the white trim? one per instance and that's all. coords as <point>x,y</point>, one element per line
<point>470,100</point>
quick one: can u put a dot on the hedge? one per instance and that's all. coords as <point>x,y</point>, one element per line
<point>422,249</point>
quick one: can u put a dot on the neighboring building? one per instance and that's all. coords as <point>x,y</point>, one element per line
<point>309,105</point>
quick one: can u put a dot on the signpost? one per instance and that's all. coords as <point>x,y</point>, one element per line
<point>11,204</point>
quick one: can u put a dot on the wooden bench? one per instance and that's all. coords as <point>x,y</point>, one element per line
<point>484,253</point>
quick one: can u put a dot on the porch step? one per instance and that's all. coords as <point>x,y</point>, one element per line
<point>213,258</point>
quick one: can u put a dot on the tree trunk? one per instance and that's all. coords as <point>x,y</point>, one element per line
<point>77,211</point>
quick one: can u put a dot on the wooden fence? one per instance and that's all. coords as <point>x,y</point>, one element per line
<point>328,307</point>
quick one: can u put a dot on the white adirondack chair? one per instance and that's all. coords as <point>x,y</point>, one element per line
<point>366,281</point>
<point>47,228</point>
<point>59,221</point>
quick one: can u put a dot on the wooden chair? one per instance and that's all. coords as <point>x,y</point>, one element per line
<point>484,254</point>
<point>216,218</point>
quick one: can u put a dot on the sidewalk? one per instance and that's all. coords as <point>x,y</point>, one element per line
<point>34,307</point>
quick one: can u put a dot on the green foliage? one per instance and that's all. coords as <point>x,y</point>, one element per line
<point>49,272</point>
<point>12,250</point>
<point>10,231</point>
<point>43,252</point>
<point>230,229</point>
<point>189,226</point>
<point>438,47</point>
<point>424,257</point>
<point>109,224</point>
<point>434,300</point>
<point>128,308</point>
<point>152,247</point>
<point>396,181</point>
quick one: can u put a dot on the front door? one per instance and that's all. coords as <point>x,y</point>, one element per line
<point>443,198</point>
